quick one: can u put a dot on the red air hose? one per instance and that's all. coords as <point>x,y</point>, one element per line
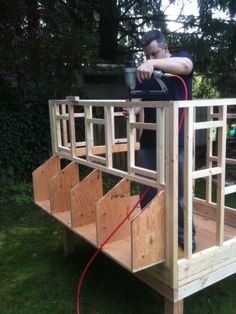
<point>130,212</point>
<point>186,98</point>
<point>102,245</point>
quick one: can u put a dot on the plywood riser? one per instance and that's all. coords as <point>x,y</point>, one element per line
<point>82,207</point>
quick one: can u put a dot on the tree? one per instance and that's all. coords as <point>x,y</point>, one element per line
<point>219,37</point>
<point>45,43</point>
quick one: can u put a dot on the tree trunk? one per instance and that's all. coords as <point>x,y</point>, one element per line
<point>108,30</point>
<point>32,18</point>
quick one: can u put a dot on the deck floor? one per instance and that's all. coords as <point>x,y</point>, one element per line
<point>120,251</point>
<point>206,233</point>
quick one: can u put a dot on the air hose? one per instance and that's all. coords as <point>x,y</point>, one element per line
<point>102,245</point>
<point>99,249</point>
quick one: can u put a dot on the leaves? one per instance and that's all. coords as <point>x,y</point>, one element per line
<point>45,47</point>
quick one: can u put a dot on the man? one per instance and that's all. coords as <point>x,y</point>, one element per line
<point>158,57</point>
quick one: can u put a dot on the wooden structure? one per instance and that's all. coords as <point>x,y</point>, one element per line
<point>146,244</point>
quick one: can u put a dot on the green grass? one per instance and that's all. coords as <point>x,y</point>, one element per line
<point>36,278</point>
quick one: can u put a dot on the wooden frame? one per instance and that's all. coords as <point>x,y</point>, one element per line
<point>147,242</point>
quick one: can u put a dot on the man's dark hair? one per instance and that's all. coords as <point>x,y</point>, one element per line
<point>149,36</point>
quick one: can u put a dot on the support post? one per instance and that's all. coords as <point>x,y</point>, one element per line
<point>174,308</point>
<point>171,166</point>
<point>69,242</point>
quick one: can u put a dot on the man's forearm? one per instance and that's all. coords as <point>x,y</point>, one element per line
<point>174,65</point>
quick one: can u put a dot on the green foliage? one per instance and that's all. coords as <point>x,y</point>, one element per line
<point>203,87</point>
<point>26,139</point>
<point>45,44</point>
<point>18,194</point>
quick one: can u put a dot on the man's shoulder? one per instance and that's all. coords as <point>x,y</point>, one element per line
<point>182,53</point>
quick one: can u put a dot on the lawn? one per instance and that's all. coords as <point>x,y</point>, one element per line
<point>35,277</point>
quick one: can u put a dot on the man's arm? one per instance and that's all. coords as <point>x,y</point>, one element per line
<point>173,65</point>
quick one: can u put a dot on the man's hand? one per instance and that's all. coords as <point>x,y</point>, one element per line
<point>125,111</point>
<point>144,71</point>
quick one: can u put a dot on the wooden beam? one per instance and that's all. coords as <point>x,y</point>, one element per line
<point>64,127</point>
<point>69,242</point>
<point>109,134</point>
<point>100,150</point>
<point>229,161</point>
<point>208,156</point>
<point>207,125</point>
<point>52,127</point>
<point>145,172</point>
<point>160,144</point>
<point>230,189</point>
<point>72,129</point>
<point>88,131</point>
<point>171,165</point>
<point>188,183</point>
<point>174,307</point>
<point>206,172</point>
<point>221,177</point>
<point>205,102</point>
<point>131,138</point>
<point>141,125</point>
<point>206,262</point>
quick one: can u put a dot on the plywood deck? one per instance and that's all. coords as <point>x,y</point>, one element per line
<point>64,217</point>
<point>206,233</point>
<point>44,205</point>
<point>120,250</point>
<point>205,238</point>
<point>88,232</point>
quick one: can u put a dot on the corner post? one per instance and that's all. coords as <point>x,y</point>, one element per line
<point>174,308</point>
<point>69,242</point>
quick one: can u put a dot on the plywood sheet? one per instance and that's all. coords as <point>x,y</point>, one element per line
<point>148,234</point>
<point>42,175</point>
<point>111,210</point>
<point>84,197</point>
<point>60,186</point>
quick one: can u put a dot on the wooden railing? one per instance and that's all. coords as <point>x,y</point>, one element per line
<point>68,117</point>
<point>64,133</point>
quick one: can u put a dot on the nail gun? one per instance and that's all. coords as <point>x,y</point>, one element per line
<point>130,81</point>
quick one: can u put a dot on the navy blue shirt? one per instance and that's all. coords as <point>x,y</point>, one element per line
<point>175,92</point>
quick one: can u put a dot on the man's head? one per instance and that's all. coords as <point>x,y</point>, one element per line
<point>154,45</point>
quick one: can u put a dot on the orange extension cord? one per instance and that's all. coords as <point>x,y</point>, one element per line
<point>130,212</point>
